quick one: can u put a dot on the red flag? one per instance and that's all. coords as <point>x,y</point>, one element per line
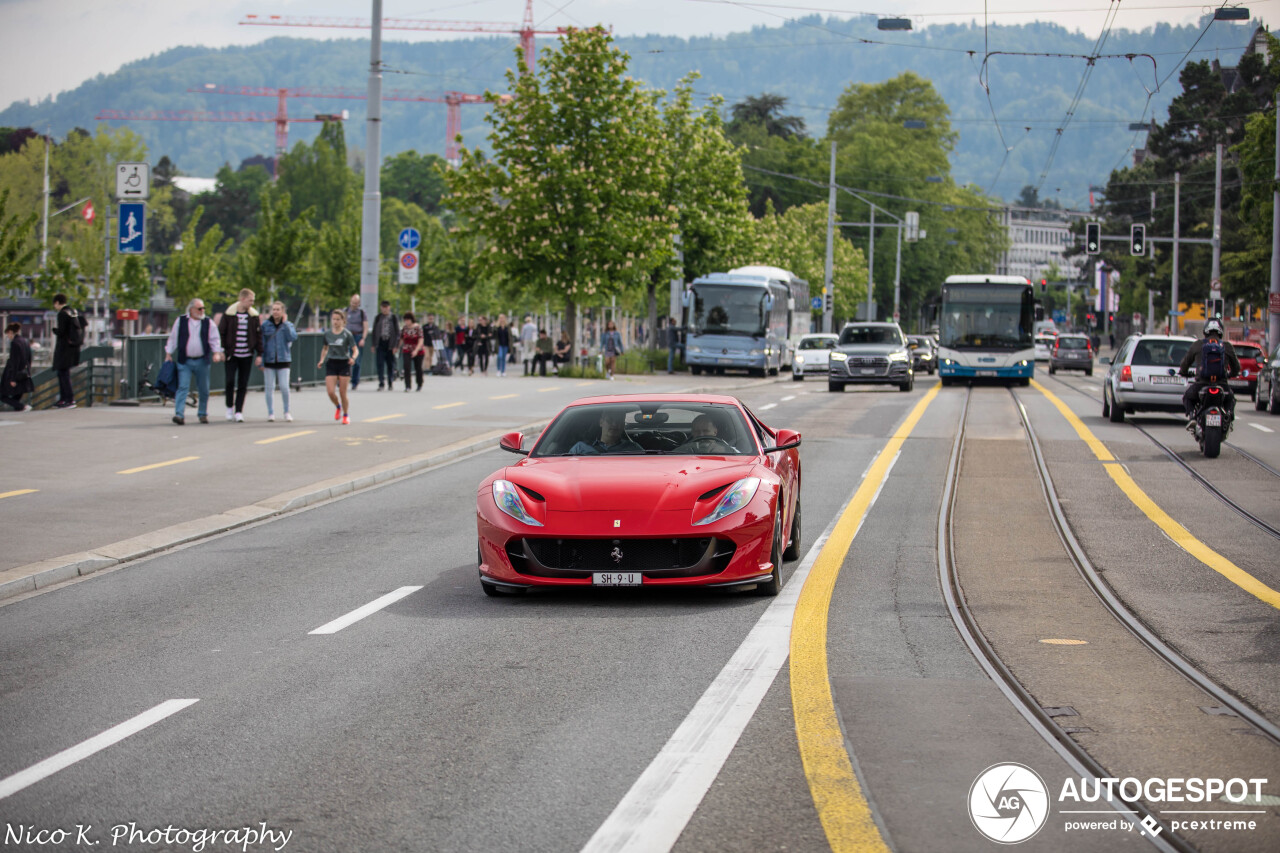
<point>88,212</point>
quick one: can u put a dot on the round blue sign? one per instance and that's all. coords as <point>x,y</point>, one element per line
<point>817,303</point>
<point>410,239</point>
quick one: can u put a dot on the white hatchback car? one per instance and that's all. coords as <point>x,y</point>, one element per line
<point>1043,344</point>
<point>812,356</point>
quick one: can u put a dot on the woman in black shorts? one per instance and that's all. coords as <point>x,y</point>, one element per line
<point>339,353</point>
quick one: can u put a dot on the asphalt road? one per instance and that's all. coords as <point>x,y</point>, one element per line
<point>451,721</point>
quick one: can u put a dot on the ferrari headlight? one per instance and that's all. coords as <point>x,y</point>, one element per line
<point>507,498</point>
<point>839,356</point>
<point>735,498</point>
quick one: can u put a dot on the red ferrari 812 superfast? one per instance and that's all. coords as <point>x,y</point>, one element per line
<point>660,490</point>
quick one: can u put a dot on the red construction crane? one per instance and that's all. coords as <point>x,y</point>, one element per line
<point>452,100</point>
<point>281,121</point>
<point>525,30</point>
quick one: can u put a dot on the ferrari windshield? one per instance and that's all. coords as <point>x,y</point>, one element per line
<point>648,429</point>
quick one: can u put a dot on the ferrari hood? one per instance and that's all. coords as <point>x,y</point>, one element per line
<point>656,483</point>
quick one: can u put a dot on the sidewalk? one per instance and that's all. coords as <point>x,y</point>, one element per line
<point>87,489</point>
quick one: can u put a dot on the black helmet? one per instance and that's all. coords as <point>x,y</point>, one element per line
<point>1213,326</point>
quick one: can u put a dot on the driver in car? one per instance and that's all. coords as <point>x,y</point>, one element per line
<point>612,438</point>
<point>704,430</point>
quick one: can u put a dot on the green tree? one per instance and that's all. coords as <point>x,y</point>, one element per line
<point>317,176</point>
<point>796,240</point>
<point>60,275</point>
<point>278,250</point>
<point>765,111</point>
<point>17,246</point>
<point>233,204</point>
<point>565,208</point>
<point>131,285</point>
<point>702,187</point>
<point>334,265</point>
<point>416,179</point>
<point>200,267</point>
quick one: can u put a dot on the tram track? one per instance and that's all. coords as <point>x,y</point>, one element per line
<point>1007,681</point>
<point>1080,761</point>
<point>1233,505</point>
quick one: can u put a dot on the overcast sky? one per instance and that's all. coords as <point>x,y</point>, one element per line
<point>50,46</point>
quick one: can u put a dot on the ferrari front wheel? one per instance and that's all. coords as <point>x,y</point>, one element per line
<point>793,548</point>
<point>772,584</point>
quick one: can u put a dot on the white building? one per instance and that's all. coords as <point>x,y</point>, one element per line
<point>1038,239</point>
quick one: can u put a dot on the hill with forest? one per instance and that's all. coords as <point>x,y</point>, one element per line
<point>808,61</point>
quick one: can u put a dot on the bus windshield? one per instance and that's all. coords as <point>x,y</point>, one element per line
<point>985,316</point>
<point>729,310</point>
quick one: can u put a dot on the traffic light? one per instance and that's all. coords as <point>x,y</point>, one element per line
<point>1044,286</point>
<point>1137,239</point>
<point>1214,307</point>
<point>1092,238</point>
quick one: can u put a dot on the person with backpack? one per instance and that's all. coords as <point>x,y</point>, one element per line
<point>358,326</point>
<point>69,331</point>
<point>1214,360</point>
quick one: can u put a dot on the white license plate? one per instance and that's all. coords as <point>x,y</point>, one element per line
<point>724,361</point>
<point>615,579</point>
<point>1213,419</point>
<point>1166,380</point>
<point>867,371</point>
<point>984,373</point>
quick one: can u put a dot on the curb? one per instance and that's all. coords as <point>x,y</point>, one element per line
<point>45,573</point>
<point>34,576</point>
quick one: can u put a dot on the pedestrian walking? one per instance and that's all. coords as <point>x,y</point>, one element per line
<point>69,331</point>
<point>278,335</point>
<point>502,339</point>
<point>386,341</point>
<point>241,332</point>
<point>463,342</point>
<point>339,357</point>
<point>611,346</point>
<point>194,344</point>
<point>528,342</point>
<point>484,339</point>
<point>412,349</point>
<point>449,346</point>
<point>16,378</point>
<point>675,343</point>
<point>429,335</point>
<point>359,329</point>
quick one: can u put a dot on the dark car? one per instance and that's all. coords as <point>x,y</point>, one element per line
<point>923,354</point>
<point>869,354</point>
<point>1071,352</point>
<point>1268,391</point>
<point>1251,361</point>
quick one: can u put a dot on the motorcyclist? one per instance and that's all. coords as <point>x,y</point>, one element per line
<point>1212,329</point>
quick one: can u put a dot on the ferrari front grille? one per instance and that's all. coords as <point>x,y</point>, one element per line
<point>666,557</point>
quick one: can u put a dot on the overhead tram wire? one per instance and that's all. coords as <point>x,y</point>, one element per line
<point>820,9</point>
<point>825,185</point>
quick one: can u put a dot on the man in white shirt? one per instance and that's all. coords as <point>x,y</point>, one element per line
<point>195,344</point>
<point>529,337</point>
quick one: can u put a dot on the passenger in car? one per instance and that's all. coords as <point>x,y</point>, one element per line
<point>613,439</point>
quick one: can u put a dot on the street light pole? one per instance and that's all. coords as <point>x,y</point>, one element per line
<point>1273,309</point>
<point>828,287</point>
<point>371,216</point>
<point>871,266</point>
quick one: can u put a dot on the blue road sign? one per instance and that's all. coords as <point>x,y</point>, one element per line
<point>817,303</point>
<point>132,223</point>
<point>410,239</point>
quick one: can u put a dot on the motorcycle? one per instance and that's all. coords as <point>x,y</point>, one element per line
<point>1214,416</point>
